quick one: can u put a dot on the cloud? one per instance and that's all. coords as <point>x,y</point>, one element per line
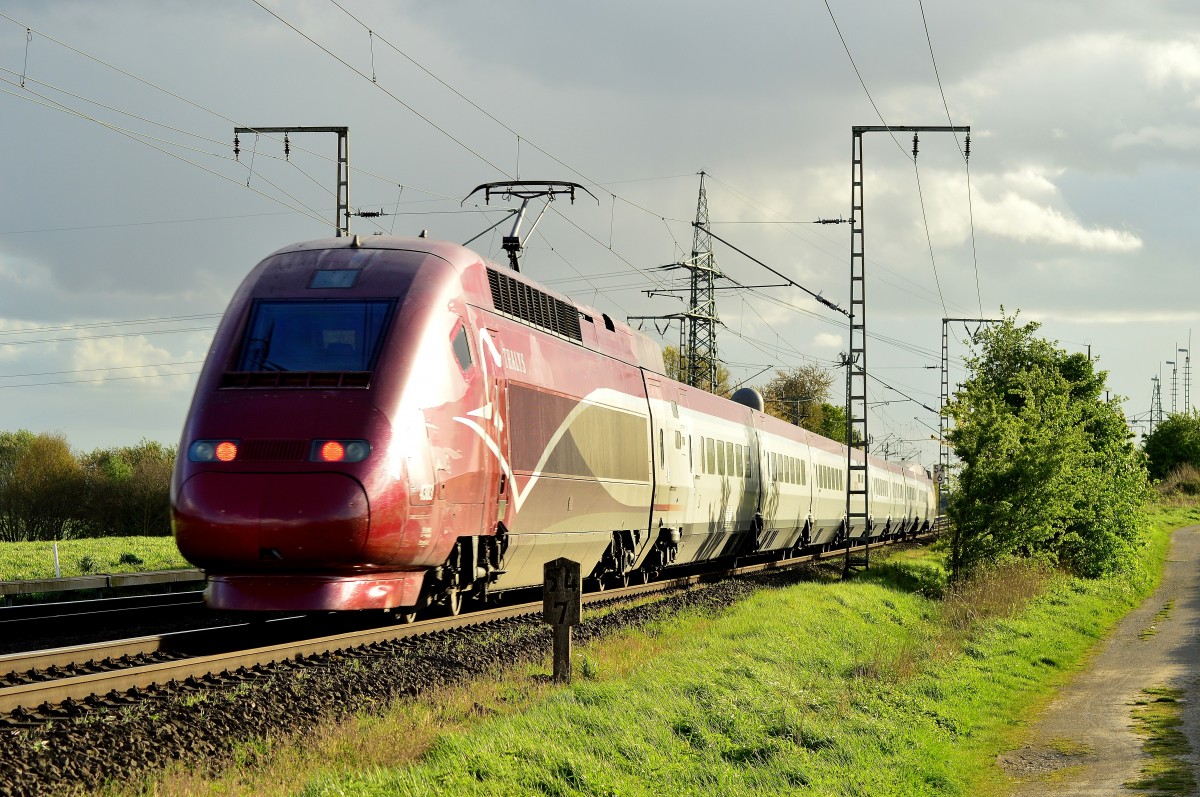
<point>128,358</point>
<point>1173,61</point>
<point>827,340</point>
<point>1023,205</point>
<point>1017,217</point>
<point>1175,137</point>
<point>1113,317</point>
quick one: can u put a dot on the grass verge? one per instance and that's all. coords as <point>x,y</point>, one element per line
<point>29,560</point>
<point>1158,717</point>
<point>880,686</point>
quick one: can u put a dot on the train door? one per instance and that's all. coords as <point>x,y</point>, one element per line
<point>659,427</point>
<point>672,474</point>
<point>497,488</point>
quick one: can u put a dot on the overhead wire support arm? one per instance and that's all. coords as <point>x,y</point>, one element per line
<point>788,280</point>
<point>341,222</point>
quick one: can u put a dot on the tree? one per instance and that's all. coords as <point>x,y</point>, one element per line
<point>832,423</point>
<point>40,482</point>
<point>128,490</point>
<point>1174,442</point>
<point>674,370</point>
<point>798,395</point>
<point>1048,469</point>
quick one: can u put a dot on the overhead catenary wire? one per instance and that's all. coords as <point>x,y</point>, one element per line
<point>142,139</point>
<point>99,379</point>
<point>105,368</point>
<point>624,260</point>
<point>791,228</point>
<point>189,102</point>
<point>965,152</point>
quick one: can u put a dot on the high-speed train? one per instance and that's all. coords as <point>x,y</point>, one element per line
<point>394,423</point>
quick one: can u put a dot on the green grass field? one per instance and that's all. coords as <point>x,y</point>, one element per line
<point>25,560</point>
<point>880,686</point>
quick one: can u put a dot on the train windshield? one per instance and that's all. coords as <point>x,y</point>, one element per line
<point>314,336</point>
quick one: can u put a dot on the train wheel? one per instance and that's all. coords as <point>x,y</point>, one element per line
<point>454,602</point>
<point>404,615</point>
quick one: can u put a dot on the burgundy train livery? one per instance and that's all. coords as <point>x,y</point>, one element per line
<point>393,423</point>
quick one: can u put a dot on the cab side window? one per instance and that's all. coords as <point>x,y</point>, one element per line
<point>462,348</point>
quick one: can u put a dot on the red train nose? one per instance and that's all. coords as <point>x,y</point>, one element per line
<point>235,521</point>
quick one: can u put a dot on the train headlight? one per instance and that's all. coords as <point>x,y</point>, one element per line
<point>213,451</point>
<point>339,450</point>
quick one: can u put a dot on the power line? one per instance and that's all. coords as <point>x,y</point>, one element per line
<point>101,337</point>
<point>928,237</point>
<point>99,379</point>
<point>92,370</point>
<point>96,324</point>
<point>861,82</point>
<point>366,77</point>
<point>965,153</point>
<point>148,141</point>
<point>931,296</point>
<point>181,98</point>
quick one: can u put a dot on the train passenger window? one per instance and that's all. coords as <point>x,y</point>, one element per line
<point>662,450</point>
<point>313,335</point>
<point>721,457</point>
<point>712,456</point>
<point>729,467</point>
<point>803,472</point>
<point>691,465</point>
<point>462,348</point>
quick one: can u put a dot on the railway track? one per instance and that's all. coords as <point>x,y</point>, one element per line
<point>62,683</point>
<point>59,619</point>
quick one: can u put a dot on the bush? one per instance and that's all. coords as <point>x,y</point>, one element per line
<point>1174,442</point>
<point>47,492</point>
<point>1048,470</point>
<point>1184,480</point>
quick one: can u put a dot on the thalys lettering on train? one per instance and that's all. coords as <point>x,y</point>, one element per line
<point>391,423</point>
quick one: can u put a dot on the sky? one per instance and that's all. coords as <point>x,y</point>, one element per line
<point>127,222</point>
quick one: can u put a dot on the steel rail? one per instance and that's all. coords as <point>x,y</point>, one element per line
<point>63,610</point>
<point>144,676</point>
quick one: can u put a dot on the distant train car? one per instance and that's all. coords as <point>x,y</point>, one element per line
<point>391,423</point>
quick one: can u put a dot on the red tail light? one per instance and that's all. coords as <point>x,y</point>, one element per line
<point>339,450</point>
<point>333,451</point>
<point>213,450</point>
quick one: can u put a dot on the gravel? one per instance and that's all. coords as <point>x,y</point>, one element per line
<point>203,723</point>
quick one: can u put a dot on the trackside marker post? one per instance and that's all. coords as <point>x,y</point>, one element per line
<point>562,607</point>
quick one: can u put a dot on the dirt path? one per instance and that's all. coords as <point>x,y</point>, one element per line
<point>1084,743</point>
